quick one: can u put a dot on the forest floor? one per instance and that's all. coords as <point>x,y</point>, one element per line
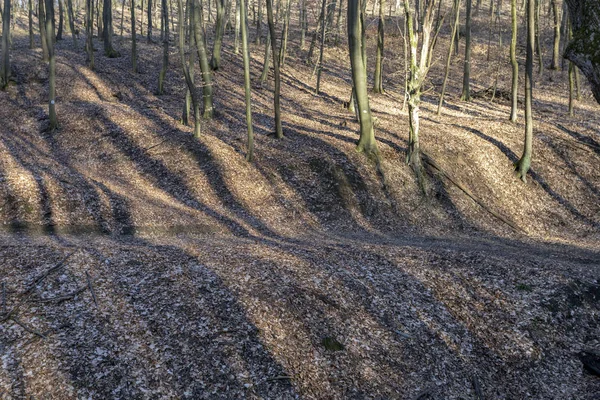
<point>311,272</point>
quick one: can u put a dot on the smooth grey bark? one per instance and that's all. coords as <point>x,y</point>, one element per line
<point>42,27</point>
<point>89,43</point>
<point>72,22</point>
<point>515,65</point>
<point>186,71</point>
<point>522,166</point>
<point>284,34</point>
<point>355,20</point>
<point>246,57</point>
<point>60,20</point>
<point>378,78</point>
<point>133,39</point>
<point>149,12</point>
<point>215,61</point>
<point>323,35</point>
<point>266,61</point>
<point>107,32</point>
<point>5,70</point>
<point>207,89</point>
<point>556,46</point>
<point>30,20</point>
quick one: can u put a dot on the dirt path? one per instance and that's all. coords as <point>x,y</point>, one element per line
<point>324,316</point>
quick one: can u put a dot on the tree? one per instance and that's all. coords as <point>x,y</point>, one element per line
<point>417,74</point>
<point>466,90</point>
<point>30,20</point>
<point>149,12</point>
<point>89,28</point>
<point>584,48</point>
<point>107,32</point>
<point>60,21</point>
<point>556,47</point>
<point>72,21</point>
<point>165,59</point>
<point>215,61</point>
<point>450,49</point>
<point>278,128</point>
<point>378,85</point>
<point>51,66</point>
<point>524,163</point>
<point>207,89</point>
<point>323,36</point>
<point>5,69</point>
<point>133,39</point>
<point>186,71</point>
<point>358,62</point>
<point>246,57</point>
<point>513,60</point>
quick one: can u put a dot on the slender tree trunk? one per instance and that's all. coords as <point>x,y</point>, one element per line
<point>141,17</point>
<point>538,42</point>
<point>72,22</point>
<point>53,123</point>
<point>30,17</point>
<point>122,18</point>
<point>466,91</point>
<point>246,56</point>
<point>320,63</point>
<point>556,47</point>
<point>266,61</point>
<point>236,45</point>
<point>302,23</point>
<point>515,65</point>
<point>149,12</point>
<point>339,23</point>
<point>42,27</point>
<point>107,32</point>
<point>5,70</point>
<point>522,166</point>
<point>133,39</point>
<point>258,22</point>
<point>60,21</point>
<point>355,19</point>
<point>165,59</point>
<point>89,27</point>
<point>378,85</point>
<point>284,34</point>
<point>186,72</point>
<point>278,128</point>
<point>215,61</point>
<point>200,43</point>
<point>449,58</point>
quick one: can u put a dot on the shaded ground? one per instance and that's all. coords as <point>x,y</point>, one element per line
<point>217,317</point>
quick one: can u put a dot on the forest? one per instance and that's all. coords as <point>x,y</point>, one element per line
<point>315,199</point>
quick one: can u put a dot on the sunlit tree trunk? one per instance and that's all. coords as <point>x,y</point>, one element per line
<point>186,71</point>
<point>207,89</point>
<point>246,57</point>
<point>513,60</point>
<point>378,85</point>
<point>42,27</point>
<point>355,20</point>
<point>30,20</point>
<point>323,35</point>
<point>89,28</point>
<point>449,58</point>
<point>466,90</point>
<point>556,47</point>
<point>165,58</point>
<point>215,61</point>
<point>524,163</point>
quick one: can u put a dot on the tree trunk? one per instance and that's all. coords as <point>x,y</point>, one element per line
<point>236,46</point>
<point>30,17</point>
<point>466,90</point>
<point>323,35</point>
<point>215,61</point>
<point>42,27</point>
<point>89,27</point>
<point>584,49</point>
<point>5,70</point>
<point>522,166</point>
<point>149,12</point>
<point>538,42</point>
<point>246,57</point>
<point>378,85</point>
<point>355,19</point>
<point>72,22</point>
<point>186,72</point>
<point>107,32</point>
<point>60,21</point>
<point>284,34</point>
<point>266,61</point>
<point>515,65</point>
<point>53,123</point>
<point>556,47</point>
<point>133,39</point>
<point>165,59</point>
<point>207,88</point>
<point>278,128</point>
<point>451,48</point>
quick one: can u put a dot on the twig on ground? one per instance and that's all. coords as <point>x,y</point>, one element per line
<point>89,282</point>
<point>477,388</point>
<point>3,298</point>
<point>39,279</point>
<point>69,296</point>
<point>279,378</point>
<point>28,329</point>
